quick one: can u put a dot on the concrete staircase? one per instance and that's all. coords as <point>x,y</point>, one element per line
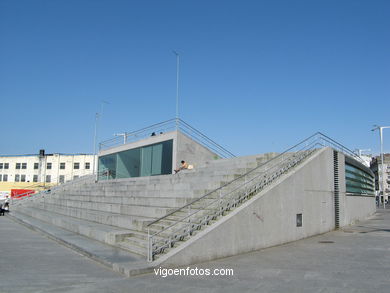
<point>177,227</point>
<point>117,212</point>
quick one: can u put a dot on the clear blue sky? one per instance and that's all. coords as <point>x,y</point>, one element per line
<point>255,76</point>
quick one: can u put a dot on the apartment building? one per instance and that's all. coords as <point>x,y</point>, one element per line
<point>42,170</point>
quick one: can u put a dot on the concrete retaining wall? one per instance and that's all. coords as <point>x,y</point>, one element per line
<point>358,208</point>
<point>270,218</point>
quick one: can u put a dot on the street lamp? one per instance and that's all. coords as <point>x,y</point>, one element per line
<point>98,116</point>
<point>94,146</point>
<point>177,87</point>
<point>380,128</point>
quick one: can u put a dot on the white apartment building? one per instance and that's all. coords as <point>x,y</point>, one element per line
<point>43,170</point>
<point>376,167</point>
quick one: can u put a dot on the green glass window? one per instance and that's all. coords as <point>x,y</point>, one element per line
<point>107,167</point>
<point>148,160</point>
<point>358,181</point>
<point>128,164</point>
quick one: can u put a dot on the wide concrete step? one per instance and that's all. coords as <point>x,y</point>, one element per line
<point>104,233</point>
<point>126,200</point>
<point>112,219</point>
<point>206,181</point>
<point>144,181</point>
<point>134,248</point>
<point>125,210</point>
<point>151,192</point>
<point>130,240</point>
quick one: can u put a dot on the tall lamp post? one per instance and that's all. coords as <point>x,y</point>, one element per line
<point>380,128</point>
<point>98,116</point>
<point>177,87</point>
<point>94,172</point>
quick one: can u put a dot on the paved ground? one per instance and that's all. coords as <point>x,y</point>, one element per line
<point>356,259</point>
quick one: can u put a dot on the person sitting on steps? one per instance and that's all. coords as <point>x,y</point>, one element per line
<point>183,166</point>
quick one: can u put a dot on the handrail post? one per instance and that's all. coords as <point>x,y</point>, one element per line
<point>189,220</point>
<point>220,202</point>
<point>150,252</point>
<point>246,187</point>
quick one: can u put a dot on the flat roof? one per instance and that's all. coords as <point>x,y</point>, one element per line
<point>37,155</point>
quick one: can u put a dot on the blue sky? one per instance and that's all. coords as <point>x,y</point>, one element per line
<point>255,76</point>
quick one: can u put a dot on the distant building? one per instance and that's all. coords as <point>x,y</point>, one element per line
<point>41,171</point>
<point>376,167</point>
<point>366,160</point>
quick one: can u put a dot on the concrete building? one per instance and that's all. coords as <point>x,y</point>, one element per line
<point>376,167</point>
<point>156,155</point>
<point>222,207</point>
<point>156,150</point>
<point>41,171</point>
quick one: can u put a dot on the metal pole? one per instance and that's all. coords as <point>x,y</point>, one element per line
<point>149,246</point>
<point>383,167</point>
<point>94,146</point>
<point>380,128</point>
<point>177,88</point>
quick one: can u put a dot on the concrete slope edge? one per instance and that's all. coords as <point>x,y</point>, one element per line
<point>126,269</point>
<point>166,259</point>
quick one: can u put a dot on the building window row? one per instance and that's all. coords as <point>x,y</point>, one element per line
<point>20,178</point>
<point>4,165</point>
<point>4,177</point>
<point>19,166</point>
<point>358,181</point>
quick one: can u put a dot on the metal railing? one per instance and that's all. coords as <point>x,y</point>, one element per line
<point>181,223</point>
<point>164,127</point>
<point>28,196</point>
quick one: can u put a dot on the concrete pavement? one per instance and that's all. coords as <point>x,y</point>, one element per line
<point>355,259</point>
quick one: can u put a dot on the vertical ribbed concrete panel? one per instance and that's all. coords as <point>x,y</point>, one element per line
<point>336,189</point>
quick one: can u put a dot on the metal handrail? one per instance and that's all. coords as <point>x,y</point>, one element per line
<point>280,164</point>
<point>50,189</point>
<point>183,220</point>
<point>230,182</point>
<point>219,188</point>
<point>181,122</point>
<point>166,126</point>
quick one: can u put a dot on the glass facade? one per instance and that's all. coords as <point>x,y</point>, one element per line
<point>155,159</point>
<point>358,181</point>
